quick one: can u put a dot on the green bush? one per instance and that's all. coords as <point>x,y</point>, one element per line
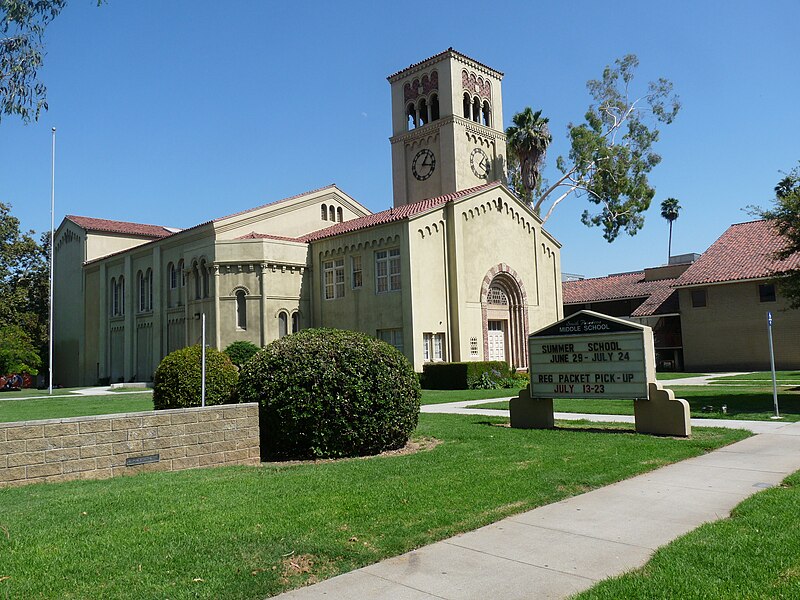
<point>329,393</point>
<point>177,381</point>
<point>464,375</point>
<point>240,352</point>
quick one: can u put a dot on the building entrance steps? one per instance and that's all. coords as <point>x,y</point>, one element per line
<point>560,549</point>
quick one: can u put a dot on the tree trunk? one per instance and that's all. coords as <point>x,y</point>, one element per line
<point>669,247</point>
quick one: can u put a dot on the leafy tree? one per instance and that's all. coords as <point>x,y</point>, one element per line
<point>22,26</point>
<point>611,153</point>
<point>670,210</point>
<point>24,280</point>
<point>17,352</point>
<point>527,141</point>
<point>785,215</point>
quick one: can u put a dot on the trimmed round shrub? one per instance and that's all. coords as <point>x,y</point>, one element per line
<point>240,352</point>
<point>177,381</point>
<point>331,393</point>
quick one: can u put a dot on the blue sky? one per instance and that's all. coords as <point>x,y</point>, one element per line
<point>174,112</point>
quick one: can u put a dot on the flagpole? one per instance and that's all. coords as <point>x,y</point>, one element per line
<point>52,235</point>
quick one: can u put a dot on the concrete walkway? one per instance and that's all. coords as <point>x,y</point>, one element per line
<point>560,549</point>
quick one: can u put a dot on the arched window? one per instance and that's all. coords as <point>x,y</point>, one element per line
<point>497,296</point>
<point>197,283</point>
<point>323,212</point>
<point>476,110</point>
<point>114,298</point>
<point>434,107</point>
<point>283,321</point>
<point>141,291</point>
<point>204,275</point>
<point>173,276</point>
<point>181,274</point>
<point>467,104</point>
<point>332,210</point>
<point>423,112</point>
<point>241,310</point>
<point>339,214</point>
<point>486,114</point>
<point>121,290</point>
<point>411,116</point>
<point>295,322</point>
<point>149,288</point>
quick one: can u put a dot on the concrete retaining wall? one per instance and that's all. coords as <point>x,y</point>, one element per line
<point>122,444</point>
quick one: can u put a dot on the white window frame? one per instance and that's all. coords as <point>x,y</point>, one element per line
<point>356,272</point>
<point>333,279</point>
<point>393,337</point>
<point>433,347</point>
<point>387,271</point>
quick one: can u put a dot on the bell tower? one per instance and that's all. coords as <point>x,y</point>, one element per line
<point>447,127</point>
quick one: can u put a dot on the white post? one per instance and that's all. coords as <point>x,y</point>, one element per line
<point>52,234</point>
<point>203,364</point>
<point>772,366</point>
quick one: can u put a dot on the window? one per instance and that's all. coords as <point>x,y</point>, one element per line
<point>142,291</point>
<point>387,270</point>
<point>393,337</point>
<point>699,299</point>
<point>181,274</point>
<point>114,298</point>
<point>144,282</point>
<point>332,213</point>
<point>434,108</point>
<point>356,273</point>
<point>282,324</point>
<point>333,278</point>
<point>173,276</point>
<point>411,117</point>
<point>241,310</point>
<point>339,215</point>
<point>204,275</point>
<point>497,296</point>
<point>473,346</point>
<point>121,290</point>
<point>486,114</point>
<point>323,212</point>
<point>766,292</point>
<point>295,322</point>
<point>423,112</point>
<point>433,346</point>
<point>467,104</point>
<point>476,110</point>
<point>149,283</point>
<point>197,283</point>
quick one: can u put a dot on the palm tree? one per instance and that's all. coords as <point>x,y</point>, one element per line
<point>527,140</point>
<point>670,209</point>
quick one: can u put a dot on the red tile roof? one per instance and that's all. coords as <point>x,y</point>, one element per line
<point>744,251</point>
<point>122,227</point>
<point>620,287</point>
<point>266,236</point>
<point>435,56</point>
<point>394,214</point>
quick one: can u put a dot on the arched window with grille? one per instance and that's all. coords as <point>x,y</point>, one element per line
<point>339,215</point>
<point>332,213</point>
<point>241,309</point>
<point>283,323</point>
<point>323,212</point>
<point>497,296</point>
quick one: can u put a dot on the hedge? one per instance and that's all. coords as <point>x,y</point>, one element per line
<point>464,375</point>
<point>177,381</point>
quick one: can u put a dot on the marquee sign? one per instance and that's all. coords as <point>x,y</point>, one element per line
<point>589,355</point>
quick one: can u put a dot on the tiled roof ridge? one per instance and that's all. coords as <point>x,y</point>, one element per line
<point>394,214</point>
<point>258,236</point>
<point>442,53</point>
<point>123,227</point>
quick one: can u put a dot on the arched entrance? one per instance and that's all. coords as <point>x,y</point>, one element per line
<point>504,311</point>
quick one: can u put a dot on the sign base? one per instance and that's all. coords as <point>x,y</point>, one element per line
<point>662,413</point>
<point>531,413</point>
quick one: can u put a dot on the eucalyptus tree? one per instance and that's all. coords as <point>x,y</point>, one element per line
<point>611,152</point>
<point>670,210</point>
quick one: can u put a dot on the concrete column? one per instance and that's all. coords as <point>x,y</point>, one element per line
<point>453,250</point>
<point>262,290</point>
<point>102,334</point>
<point>159,308</point>
<point>214,270</point>
<point>129,354</point>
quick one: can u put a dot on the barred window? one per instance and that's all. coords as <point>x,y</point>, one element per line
<point>497,296</point>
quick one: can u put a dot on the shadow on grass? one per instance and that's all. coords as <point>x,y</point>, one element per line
<point>622,428</point>
<point>708,403</point>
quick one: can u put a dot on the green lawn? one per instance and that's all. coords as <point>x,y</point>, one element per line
<point>442,396</point>
<point>250,532</point>
<point>74,406</point>
<point>743,402</point>
<point>670,375</point>
<point>30,392</point>
<point>763,377</point>
<point>753,554</point>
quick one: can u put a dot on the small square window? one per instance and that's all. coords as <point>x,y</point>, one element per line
<point>699,299</point>
<point>473,346</point>
<point>766,292</point>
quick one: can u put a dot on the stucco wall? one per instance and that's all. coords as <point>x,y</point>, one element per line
<point>109,445</point>
<point>730,332</point>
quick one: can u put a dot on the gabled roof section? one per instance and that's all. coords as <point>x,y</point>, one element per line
<point>745,251</point>
<point>395,214</point>
<point>122,227</point>
<point>620,287</point>
<point>437,57</point>
<point>266,236</point>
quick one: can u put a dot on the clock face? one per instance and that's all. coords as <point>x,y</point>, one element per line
<point>424,164</point>
<point>479,163</point>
